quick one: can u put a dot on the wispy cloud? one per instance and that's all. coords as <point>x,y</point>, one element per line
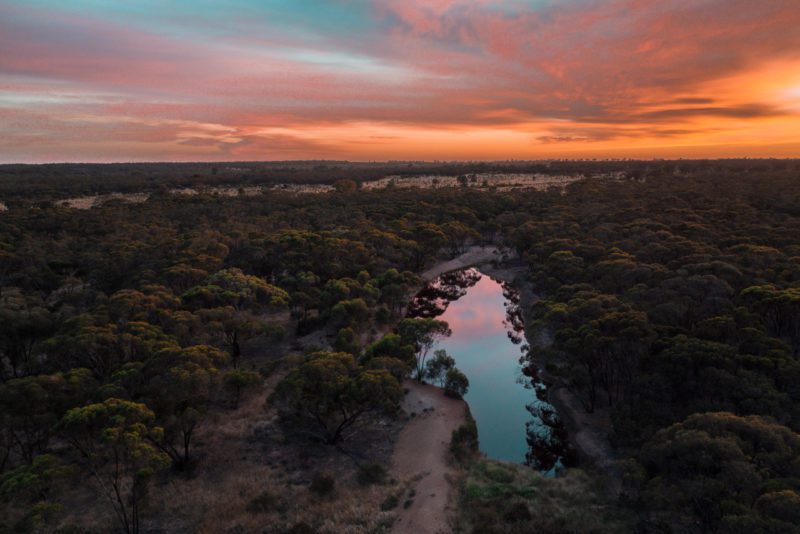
<point>397,78</point>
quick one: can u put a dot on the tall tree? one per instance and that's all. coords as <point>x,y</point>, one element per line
<point>331,392</point>
<point>423,334</point>
<point>115,440</point>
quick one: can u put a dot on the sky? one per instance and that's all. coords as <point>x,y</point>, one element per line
<point>203,80</point>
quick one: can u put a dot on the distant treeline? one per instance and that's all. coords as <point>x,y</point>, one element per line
<point>64,179</point>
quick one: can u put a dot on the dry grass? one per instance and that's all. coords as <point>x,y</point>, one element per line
<point>253,478</point>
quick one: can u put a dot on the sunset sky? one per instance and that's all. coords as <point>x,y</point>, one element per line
<point>192,80</point>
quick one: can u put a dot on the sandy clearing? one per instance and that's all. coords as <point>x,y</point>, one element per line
<point>420,455</point>
<point>475,255</point>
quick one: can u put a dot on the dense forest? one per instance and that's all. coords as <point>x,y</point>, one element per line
<point>670,305</point>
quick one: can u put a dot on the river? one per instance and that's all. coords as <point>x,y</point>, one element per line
<point>515,422</point>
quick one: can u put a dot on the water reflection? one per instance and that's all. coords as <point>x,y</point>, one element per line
<point>508,401</point>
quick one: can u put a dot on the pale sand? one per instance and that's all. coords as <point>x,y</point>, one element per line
<point>475,255</point>
<point>421,455</point>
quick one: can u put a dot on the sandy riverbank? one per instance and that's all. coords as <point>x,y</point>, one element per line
<point>421,456</point>
<point>474,256</point>
<point>421,451</point>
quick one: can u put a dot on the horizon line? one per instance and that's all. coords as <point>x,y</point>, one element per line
<point>398,161</point>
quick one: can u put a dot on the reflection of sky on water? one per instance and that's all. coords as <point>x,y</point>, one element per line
<point>483,351</point>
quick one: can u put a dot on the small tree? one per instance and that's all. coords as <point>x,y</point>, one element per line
<point>115,440</point>
<point>27,414</point>
<point>397,368</point>
<point>393,346</point>
<point>24,321</point>
<point>456,383</point>
<point>233,328</point>
<point>436,369</point>
<point>345,185</point>
<point>238,381</point>
<point>181,385</point>
<point>346,341</point>
<point>351,313</point>
<point>330,392</point>
<point>423,335</point>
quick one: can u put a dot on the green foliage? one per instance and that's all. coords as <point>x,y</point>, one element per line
<point>464,441</point>
<point>422,334</point>
<point>323,484</point>
<point>331,392</point>
<point>29,410</point>
<point>371,473</point>
<point>714,466</point>
<point>397,368</point>
<point>438,367</point>
<point>35,481</point>
<point>238,382</point>
<point>352,313</point>
<point>392,346</point>
<point>456,383</point>
<point>24,322</point>
<point>345,186</point>
<point>266,502</point>
<point>346,341</point>
<point>508,498</point>
<point>180,384</point>
<point>115,439</point>
<point>232,287</point>
<point>390,503</point>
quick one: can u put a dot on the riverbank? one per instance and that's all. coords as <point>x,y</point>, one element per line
<point>421,459</point>
<point>588,433</point>
<point>473,257</point>
<point>421,454</point>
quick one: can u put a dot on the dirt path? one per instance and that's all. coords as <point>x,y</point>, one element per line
<point>420,455</point>
<point>473,256</point>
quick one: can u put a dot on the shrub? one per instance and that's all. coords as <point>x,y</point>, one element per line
<point>264,503</point>
<point>347,341</point>
<point>456,383</point>
<point>323,483</point>
<point>517,512</point>
<point>390,503</point>
<point>436,369</point>
<point>301,528</point>
<point>500,474</point>
<point>274,331</point>
<point>464,440</point>
<point>372,473</point>
<point>383,315</point>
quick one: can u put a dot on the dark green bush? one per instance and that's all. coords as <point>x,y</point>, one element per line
<point>464,440</point>
<point>372,473</point>
<point>390,503</point>
<point>266,502</point>
<point>456,383</point>
<point>323,483</point>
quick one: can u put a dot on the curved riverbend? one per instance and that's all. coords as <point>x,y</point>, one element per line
<point>515,422</point>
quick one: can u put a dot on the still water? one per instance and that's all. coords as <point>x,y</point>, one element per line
<point>515,423</point>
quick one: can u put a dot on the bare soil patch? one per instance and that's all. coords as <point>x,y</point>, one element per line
<point>421,459</point>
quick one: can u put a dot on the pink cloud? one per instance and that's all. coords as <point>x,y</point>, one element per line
<point>590,72</point>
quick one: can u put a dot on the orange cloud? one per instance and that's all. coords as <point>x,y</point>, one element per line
<point>436,79</point>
